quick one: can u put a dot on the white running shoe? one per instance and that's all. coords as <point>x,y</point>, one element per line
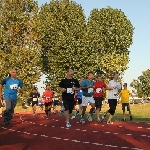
<point>68,125</point>
<point>109,122</point>
<point>82,121</point>
<point>104,116</point>
<point>73,117</point>
<point>99,120</point>
<point>89,117</point>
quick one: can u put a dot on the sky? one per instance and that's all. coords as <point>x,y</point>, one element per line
<point>137,11</point>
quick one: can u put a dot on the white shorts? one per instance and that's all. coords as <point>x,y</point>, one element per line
<point>86,100</point>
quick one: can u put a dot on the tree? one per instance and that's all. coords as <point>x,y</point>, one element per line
<point>19,45</point>
<point>110,35</point>
<point>64,42</point>
<point>142,84</point>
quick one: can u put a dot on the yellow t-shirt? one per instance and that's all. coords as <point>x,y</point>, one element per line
<point>125,96</point>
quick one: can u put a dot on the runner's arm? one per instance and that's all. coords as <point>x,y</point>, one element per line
<point>21,89</point>
<point>1,87</point>
<point>60,86</point>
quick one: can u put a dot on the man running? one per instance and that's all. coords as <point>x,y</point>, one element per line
<point>114,88</point>
<point>124,95</point>
<point>47,96</point>
<point>99,87</point>
<point>79,96</point>
<point>87,88</point>
<point>68,86</point>
<point>12,83</point>
<point>34,95</point>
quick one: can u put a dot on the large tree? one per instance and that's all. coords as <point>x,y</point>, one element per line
<point>142,84</point>
<point>110,35</point>
<point>64,42</point>
<point>19,45</point>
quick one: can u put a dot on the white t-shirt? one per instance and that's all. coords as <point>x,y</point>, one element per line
<point>113,94</point>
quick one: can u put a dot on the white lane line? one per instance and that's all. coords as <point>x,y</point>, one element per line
<point>95,131</point>
<point>116,133</point>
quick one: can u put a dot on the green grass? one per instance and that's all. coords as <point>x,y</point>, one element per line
<point>140,112</point>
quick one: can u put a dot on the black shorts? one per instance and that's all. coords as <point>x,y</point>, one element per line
<point>68,105</point>
<point>55,102</point>
<point>98,102</point>
<point>34,103</point>
<point>48,104</point>
<point>79,101</point>
<point>125,105</point>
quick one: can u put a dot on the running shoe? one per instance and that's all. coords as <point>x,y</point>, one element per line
<point>68,125</point>
<point>104,116</point>
<point>89,117</point>
<point>99,120</point>
<point>82,121</point>
<point>109,122</point>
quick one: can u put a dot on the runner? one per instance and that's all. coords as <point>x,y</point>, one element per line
<point>10,94</point>
<point>67,86</point>
<point>41,103</point>
<point>114,88</point>
<point>79,96</point>
<point>34,95</point>
<point>99,87</point>
<point>124,95</point>
<point>47,95</point>
<point>87,88</point>
<point>56,100</point>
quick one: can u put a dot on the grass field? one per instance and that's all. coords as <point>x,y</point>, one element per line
<point>140,112</point>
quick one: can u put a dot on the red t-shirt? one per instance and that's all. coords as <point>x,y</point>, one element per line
<point>98,88</point>
<point>48,96</point>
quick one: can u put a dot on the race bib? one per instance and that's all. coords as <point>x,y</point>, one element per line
<point>98,90</point>
<point>56,99</point>
<point>14,86</point>
<point>115,92</point>
<point>69,90</point>
<point>90,90</point>
<point>47,98</point>
<point>34,99</point>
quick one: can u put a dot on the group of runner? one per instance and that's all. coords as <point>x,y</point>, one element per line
<point>86,91</point>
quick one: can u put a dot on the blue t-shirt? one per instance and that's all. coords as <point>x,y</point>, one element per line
<point>79,94</point>
<point>11,87</point>
<point>85,83</point>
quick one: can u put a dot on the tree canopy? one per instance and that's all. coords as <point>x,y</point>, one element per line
<point>19,45</point>
<point>142,84</point>
<point>110,34</point>
<point>100,43</point>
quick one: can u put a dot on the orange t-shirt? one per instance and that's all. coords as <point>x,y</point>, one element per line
<point>48,96</point>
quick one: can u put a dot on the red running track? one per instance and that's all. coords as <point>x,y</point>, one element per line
<point>27,132</point>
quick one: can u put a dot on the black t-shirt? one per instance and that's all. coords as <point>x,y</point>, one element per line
<point>68,84</point>
<point>34,96</point>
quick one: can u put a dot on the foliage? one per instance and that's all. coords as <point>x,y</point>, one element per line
<point>19,46</point>
<point>63,25</point>
<point>110,35</point>
<point>142,84</point>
